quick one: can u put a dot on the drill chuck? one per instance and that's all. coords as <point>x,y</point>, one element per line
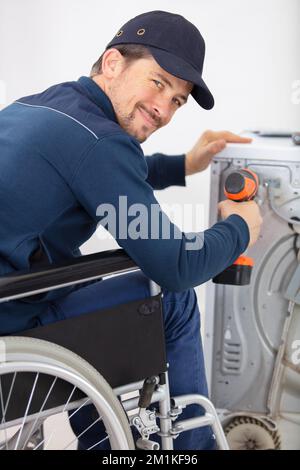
<point>241,185</point>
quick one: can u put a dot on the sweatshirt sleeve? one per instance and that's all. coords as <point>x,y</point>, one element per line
<point>165,170</point>
<point>111,184</point>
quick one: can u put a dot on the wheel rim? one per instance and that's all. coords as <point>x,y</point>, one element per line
<point>114,431</point>
<point>42,358</point>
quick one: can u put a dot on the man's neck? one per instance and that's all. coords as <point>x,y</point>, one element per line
<point>99,80</point>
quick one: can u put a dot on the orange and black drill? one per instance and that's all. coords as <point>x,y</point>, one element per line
<point>240,185</point>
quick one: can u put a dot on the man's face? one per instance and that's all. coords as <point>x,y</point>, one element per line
<point>145,97</point>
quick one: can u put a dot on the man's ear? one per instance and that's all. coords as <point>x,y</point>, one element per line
<point>112,63</point>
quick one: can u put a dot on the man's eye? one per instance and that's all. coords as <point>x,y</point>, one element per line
<point>158,84</point>
<point>177,102</point>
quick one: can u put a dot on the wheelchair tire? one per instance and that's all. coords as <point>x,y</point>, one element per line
<point>20,354</point>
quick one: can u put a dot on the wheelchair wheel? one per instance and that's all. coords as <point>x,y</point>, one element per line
<point>42,385</point>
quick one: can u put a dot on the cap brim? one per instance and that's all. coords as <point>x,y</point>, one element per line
<point>181,69</point>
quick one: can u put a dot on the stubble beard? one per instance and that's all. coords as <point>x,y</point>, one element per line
<point>126,121</point>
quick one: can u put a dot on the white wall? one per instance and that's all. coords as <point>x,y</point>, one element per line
<point>252,63</point>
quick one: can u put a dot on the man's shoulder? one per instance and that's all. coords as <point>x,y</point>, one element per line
<point>66,102</point>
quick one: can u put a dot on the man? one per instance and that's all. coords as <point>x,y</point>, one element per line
<point>69,152</point>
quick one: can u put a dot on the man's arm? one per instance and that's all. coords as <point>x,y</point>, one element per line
<point>207,146</point>
<point>164,171</point>
<point>111,185</point>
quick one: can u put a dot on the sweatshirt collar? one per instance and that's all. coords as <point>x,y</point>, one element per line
<point>98,96</point>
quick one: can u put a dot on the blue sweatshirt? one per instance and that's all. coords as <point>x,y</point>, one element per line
<point>62,155</point>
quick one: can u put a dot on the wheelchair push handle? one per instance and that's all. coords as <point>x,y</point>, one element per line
<point>147,392</point>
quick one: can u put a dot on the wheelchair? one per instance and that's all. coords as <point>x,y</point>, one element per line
<point>113,362</point>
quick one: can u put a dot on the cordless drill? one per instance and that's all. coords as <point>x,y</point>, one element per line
<point>240,185</point>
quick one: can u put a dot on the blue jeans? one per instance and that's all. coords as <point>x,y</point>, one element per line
<point>183,344</point>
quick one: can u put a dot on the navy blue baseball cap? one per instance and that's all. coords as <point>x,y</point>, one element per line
<point>176,45</point>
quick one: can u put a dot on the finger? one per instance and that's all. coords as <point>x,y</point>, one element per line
<point>221,204</point>
<point>233,138</point>
<point>248,203</point>
<point>240,139</point>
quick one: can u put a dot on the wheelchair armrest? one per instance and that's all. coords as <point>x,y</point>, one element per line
<point>77,270</point>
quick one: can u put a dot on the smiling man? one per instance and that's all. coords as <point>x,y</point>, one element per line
<point>75,147</point>
<point>145,96</point>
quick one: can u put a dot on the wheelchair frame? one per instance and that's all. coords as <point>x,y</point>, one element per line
<point>153,389</point>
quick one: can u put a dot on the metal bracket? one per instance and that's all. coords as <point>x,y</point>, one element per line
<point>145,422</point>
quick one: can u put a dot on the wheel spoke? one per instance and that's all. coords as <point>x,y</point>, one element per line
<point>27,409</point>
<point>45,447</point>
<point>99,442</point>
<point>3,410</point>
<point>77,409</point>
<point>69,399</point>
<point>83,432</point>
<point>32,430</point>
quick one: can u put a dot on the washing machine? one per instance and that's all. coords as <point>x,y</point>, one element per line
<point>252,332</point>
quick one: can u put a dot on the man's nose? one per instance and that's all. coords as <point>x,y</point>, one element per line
<point>162,110</point>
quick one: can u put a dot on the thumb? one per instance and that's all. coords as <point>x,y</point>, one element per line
<point>220,205</point>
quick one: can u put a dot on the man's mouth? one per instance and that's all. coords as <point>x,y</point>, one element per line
<point>152,122</point>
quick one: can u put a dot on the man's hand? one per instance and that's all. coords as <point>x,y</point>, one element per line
<point>208,145</point>
<point>248,210</point>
